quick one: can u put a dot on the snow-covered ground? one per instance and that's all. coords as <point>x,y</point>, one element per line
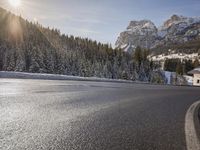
<point>189,79</point>
<point>171,75</point>
<point>168,76</point>
<point>23,75</point>
<point>181,56</point>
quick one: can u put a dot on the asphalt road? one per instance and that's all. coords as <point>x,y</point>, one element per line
<point>80,115</point>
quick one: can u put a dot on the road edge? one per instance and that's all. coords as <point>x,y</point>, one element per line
<point>192,127</point>
<point>46,76</point>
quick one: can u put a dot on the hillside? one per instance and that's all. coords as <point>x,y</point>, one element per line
<point>30,47</point>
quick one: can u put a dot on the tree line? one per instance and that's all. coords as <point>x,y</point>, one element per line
<point>30,47</point>
<point>180,67</point>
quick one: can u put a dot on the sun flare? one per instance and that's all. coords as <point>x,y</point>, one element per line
<point>15,3</point>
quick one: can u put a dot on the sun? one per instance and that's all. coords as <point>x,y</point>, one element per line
<point>15,3</point>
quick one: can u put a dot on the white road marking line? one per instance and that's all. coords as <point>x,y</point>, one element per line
<point>192,140</point>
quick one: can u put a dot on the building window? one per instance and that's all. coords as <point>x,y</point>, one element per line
<point>198,81</point>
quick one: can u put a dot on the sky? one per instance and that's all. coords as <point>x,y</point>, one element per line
<point>100,20</point>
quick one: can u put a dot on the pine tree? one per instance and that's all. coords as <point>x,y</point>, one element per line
<point>196,63</point>
<point>45,50</point>
<point>138,55</point>
<point>179,68</point>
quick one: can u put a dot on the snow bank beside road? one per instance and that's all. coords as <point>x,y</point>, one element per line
<point>168,76</point>
<point>173,77</point>
<point>189,79</point>
<point>23,75</point>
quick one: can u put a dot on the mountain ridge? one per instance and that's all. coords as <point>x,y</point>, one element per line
<point>144,33</point>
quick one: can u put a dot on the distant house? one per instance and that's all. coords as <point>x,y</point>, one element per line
<point>196,74</point>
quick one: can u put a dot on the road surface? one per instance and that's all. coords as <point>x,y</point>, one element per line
<point>80,115</point>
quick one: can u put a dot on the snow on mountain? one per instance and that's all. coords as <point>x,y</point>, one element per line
<point>180,20</point>
<point>179,29</point>
<point>141,26</point>
<point>138,33</point>
<point>144,33</point>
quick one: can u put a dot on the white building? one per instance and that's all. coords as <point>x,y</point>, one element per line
<point>196,74</point>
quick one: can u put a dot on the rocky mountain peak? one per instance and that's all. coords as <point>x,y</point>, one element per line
<point>176,30</point>
<point>174,19</point>
<point>142,32</point>
<point>177,18</point>
<point>142,24</point>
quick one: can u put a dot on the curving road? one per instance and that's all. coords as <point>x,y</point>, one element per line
<point>80,115</point>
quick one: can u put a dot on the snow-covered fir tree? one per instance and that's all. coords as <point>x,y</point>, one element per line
<point>44,50</point>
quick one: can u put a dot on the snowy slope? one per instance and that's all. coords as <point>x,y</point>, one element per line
<point>181,56</point>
